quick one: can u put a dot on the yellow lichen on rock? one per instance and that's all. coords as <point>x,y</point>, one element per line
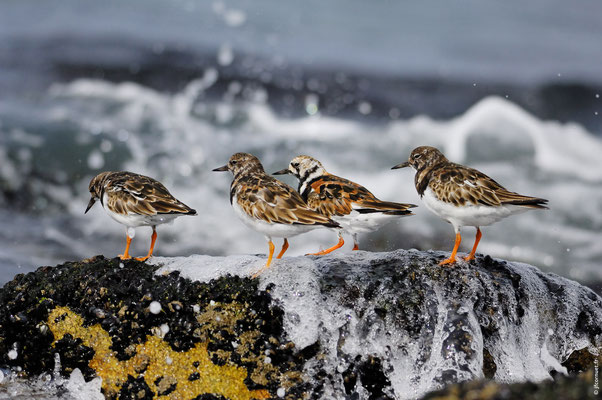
<point>192,372</point>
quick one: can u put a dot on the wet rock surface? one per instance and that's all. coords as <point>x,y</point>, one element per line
<point>349,326</point>
<point>101,316</point>
<point>579,387</point>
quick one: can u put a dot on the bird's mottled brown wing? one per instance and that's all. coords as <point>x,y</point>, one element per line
<point>270,200</point>
<point>334,195</point>
<point>461,186</point>
<point>131,193</point>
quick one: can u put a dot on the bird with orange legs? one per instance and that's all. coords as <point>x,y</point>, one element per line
<point>269,206</point>
<point>353,206</point>
<point>135,200</point>
<point>463,196</point>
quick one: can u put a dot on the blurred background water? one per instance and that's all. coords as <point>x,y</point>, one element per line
<point>171,89</point>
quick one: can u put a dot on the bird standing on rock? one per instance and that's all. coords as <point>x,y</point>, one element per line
<point>353,206</point>
<point>135,200</point>
<point>463,196</point>
<point>269,206</point>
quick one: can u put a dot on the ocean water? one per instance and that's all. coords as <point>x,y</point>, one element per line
<point>171,89</point>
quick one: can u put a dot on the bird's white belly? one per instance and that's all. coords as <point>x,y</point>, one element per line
<point>355,222</point>
<point>469,215</point>
<point>134,220</point>
<point>270,229</point>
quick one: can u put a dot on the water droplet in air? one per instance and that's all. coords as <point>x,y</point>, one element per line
<point>225,56</point>
<point>311,104</point>
<point>364,108</point>
<point>96,160</point>
<point>106,146</point>
<point>235,17</point>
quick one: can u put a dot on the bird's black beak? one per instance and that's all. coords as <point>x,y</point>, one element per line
<point>402,165</point>
<point>221,169</point>
<point>90,204</point>
<point>282,172</point>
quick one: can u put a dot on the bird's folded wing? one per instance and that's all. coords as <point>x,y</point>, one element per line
<point>465,186</point>
<point>275,202</point>
<point>144,196</point>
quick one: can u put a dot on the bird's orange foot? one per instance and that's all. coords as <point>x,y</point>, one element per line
<point>256,274</point>
<point>142,258</point>
<point>469,257</point>
<point>355,247</point>
<point>448,261</point>
<point>122,257</point>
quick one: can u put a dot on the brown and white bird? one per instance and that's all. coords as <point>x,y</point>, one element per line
<point>269,206</point>
<point>135,200</point>
<point>463,196</point>
<point>353,206</point>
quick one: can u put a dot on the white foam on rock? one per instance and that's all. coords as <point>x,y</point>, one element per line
<point>521,351</point>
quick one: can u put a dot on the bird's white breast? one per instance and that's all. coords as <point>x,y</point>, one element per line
<point>468,215</point>
<point>134,220</point>
<point>356,222</point>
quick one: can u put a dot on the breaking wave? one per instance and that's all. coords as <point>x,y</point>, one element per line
<point>78,129</point>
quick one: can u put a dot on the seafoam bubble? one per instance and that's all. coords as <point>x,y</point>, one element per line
<point>13,354</point>
<point>155,307</point>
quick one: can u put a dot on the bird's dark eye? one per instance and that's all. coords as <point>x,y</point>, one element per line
<point>417,156</point>
<point>233,162</point>
<point>295,165</point>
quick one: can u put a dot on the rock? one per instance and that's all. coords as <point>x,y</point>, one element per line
<point>362,325</point>
<point>211,338</point>
<point>580,387</point>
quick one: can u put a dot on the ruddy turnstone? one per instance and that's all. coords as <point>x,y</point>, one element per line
<point>353,206</point>
<point>135,200</point>
<point>269,206</point>
<point>463,196</point>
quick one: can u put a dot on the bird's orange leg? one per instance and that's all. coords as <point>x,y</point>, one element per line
<point>284,248</point>
<point>333,248</point>
<point>474,247</point>
<point>356,244</point>
<point>267,265</point>
<point>152,246</point>
<point>452,258</point>
<point>126,253</point>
